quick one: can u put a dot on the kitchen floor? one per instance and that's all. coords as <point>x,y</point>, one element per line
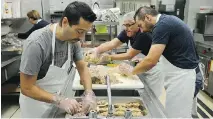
<point>10,106</point>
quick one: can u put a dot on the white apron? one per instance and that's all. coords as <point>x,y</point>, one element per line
<point>53,82</point>
<point>154,77</point>
<point>180,86</point>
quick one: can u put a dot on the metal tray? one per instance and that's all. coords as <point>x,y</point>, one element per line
<point>118,100</point>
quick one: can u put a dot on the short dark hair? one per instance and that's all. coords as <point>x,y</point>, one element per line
<point>142,11</point>
<point>33,14</point>
<point>75,10</point>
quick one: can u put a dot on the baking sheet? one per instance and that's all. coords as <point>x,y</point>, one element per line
<point>127,83</point>
<point>119,100</point>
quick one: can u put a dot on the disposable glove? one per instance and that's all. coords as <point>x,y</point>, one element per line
<point>104,58</point>
<point>93,51</point>
<point>125,69</point>
<point>88,101</point>
<point>71,106</point>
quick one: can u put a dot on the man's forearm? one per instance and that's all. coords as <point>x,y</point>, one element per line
<point>87,80</point>
<point>38,94</point>
<point>123,56</point>
<point>85,77</point>
<point>105,47</point>
<point>109,45</point>
<point>145,65</point>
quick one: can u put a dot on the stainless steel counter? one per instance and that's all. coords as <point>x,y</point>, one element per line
<point>154,106</point>
<point>205,52</point>
<point>199,40</point>
<point>205,43</point>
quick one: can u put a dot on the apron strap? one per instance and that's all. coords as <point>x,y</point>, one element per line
<point>53,44</point>
<point>53,49</point>
<point>69,56</point>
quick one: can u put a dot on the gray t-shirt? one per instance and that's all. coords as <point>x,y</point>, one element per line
<point>37,52</point>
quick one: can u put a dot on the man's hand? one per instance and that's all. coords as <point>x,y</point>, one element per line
<point>93,51</point>
<point>125,69</point>
<point>71,106</point>
<point>88,102</point>
<point>104,58</point>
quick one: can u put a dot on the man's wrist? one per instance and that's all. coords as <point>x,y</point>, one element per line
<point>110,58</point>
<point>97,49</point>
<point>56,99</point>
<point>88,92</point>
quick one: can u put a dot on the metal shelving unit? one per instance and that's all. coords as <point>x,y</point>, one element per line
<point>12,19</point>
<point>110,24</point>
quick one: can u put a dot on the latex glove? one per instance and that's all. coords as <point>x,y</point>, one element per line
<point>104,58</point>
<point>79,115</point>
<point>125,69</point>
<point>94,51</point>
<point>88,102</point>
<point>71,106</point>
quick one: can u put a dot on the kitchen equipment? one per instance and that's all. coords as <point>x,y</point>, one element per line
<point>93,114</point>
<point>204,25</point>
<point>172,7</point>
<point>110,111</point>
<point>128,114</point>
<point>205,52</point>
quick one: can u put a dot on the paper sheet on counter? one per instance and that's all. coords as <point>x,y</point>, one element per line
<point>127,83</point>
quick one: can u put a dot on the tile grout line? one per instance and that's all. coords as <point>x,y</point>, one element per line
<point>204,111</point>
<point>14,113</point>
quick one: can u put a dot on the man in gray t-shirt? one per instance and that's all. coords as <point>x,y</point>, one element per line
<point>40,42</point>
<point>48,53</point>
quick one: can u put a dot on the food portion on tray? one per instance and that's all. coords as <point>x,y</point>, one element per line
<point>93,59</point>
<point>136,108</point>
<point>119,108</point>
<point>98,74</point>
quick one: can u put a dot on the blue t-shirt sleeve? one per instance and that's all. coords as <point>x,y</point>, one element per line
<point>123,37</point>
<point>161,34</point>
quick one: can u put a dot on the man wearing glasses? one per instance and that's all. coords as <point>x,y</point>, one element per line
<point>48,54</point>
<point>140,43</point>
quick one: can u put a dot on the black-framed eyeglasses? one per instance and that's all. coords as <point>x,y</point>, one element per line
<point>129,25</point>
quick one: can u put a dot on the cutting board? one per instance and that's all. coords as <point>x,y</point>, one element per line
<point>127,83</point>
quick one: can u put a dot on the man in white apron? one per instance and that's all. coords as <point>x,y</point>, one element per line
<point>48,53</point>
<point>173,39</point>
<point>139,44</point>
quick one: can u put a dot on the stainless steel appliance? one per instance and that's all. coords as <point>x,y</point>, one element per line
<point>203,37</point>
<point>204,25</point>
<point>177,9</point>
<point>205,52</point>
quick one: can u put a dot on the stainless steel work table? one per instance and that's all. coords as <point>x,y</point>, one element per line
<point>154,106</point>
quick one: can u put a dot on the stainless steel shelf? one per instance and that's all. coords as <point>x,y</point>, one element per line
<point>99,34</point>
<point>5,63</point>
<point>12,19</point>
<point>105,23</point>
